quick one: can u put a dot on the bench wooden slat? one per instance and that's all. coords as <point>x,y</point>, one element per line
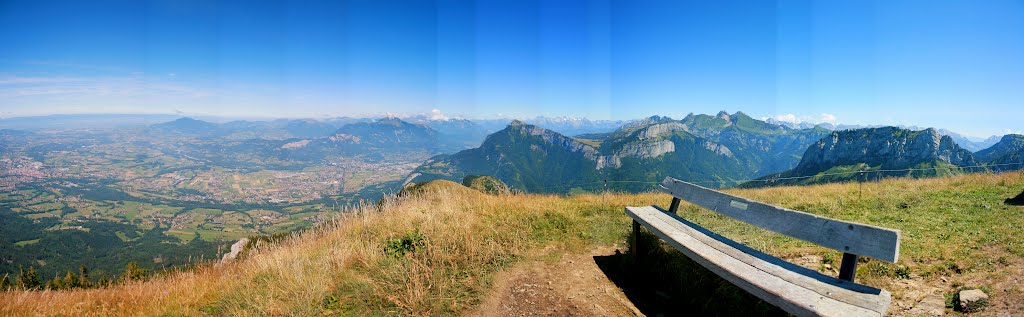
<point>797,290</point>
<point>849,237</point>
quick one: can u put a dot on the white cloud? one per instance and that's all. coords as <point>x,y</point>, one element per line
<point>822,118</point>
<point>435,114</point>
<point>812,118</point>
<point>1011,131</point>
<point>98,87</point>
<point>791,118</point>
<point>38,80</point>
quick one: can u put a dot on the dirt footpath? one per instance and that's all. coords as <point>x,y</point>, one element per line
<point>571,286</point>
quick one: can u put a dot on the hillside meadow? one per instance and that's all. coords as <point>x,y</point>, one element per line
<point>437,250</point>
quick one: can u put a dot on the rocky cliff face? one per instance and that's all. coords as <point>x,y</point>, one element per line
<point>889,147</point>
<point>661,129</point>
<point>553,138</point>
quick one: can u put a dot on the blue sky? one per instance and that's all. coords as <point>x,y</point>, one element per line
<point>951,64</point>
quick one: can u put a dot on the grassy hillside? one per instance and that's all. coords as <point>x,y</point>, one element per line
<point>437,252</point>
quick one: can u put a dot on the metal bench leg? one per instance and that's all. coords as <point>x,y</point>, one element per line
<point>848,268</point>
<point>674,206</point>
<point>633,246</point>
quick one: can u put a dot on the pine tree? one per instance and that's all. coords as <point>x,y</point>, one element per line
<point>70,281</point>
<point>133,272</point>
<point>104,281</point>
<point>55,284</point>
<point>28,280</point>
<point>83,277</point>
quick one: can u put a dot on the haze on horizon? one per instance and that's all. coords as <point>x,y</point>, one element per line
<point>945,64</point>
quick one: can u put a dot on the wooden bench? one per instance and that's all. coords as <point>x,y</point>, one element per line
<point>795,289</point>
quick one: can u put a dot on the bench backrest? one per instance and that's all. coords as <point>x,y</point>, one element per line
<point>849,237</point>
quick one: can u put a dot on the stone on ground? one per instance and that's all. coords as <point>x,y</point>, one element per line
<point>972,300</point>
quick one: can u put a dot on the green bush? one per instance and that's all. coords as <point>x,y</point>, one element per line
<point>903,272</point>
<point>411,242</point>
<point>132,272</point>
<point>486,184</point>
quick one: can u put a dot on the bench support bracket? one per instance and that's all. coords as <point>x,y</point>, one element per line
<point>848,268</point>
<point>674,207</point>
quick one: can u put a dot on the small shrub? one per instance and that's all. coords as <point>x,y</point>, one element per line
<point>1003,261</point>
<point>411,242</point>
<point>903,272</point>
<point>954,267</point>
<point>828,258</point>
<point>333,306</point>
<point>879,269</point>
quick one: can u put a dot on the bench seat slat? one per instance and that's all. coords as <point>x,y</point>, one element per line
<point>797,290</point>
<point>849,237</point>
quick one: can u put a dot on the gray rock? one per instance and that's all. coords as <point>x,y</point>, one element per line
<point>662,129</point>
<point>648,149</point>
<point>718,148</point>
<point>972,300</point>
<point>931,305</point>
<point>235,250</point>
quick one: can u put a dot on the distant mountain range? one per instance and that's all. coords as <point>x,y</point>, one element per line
<point>380,137</point>
<point>717,149</point>
<point>720,150</point>
<point>971,144</point>
<point>239,143</point>
<point>469,131</point>
<point>561,154</point>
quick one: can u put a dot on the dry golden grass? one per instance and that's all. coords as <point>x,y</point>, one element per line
<point>342,267</point>
<point>180,293</point>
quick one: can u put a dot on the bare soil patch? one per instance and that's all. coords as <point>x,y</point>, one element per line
<point>571,286</point>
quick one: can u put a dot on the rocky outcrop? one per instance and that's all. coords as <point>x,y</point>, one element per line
<point>661,129</point>
<point>649,149</point>
<point>648,141</point>
<point>888,147</point>
<point>718,148</point>
<point>235,250</point>
<point>639,149</point>
<point>724,116</point>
